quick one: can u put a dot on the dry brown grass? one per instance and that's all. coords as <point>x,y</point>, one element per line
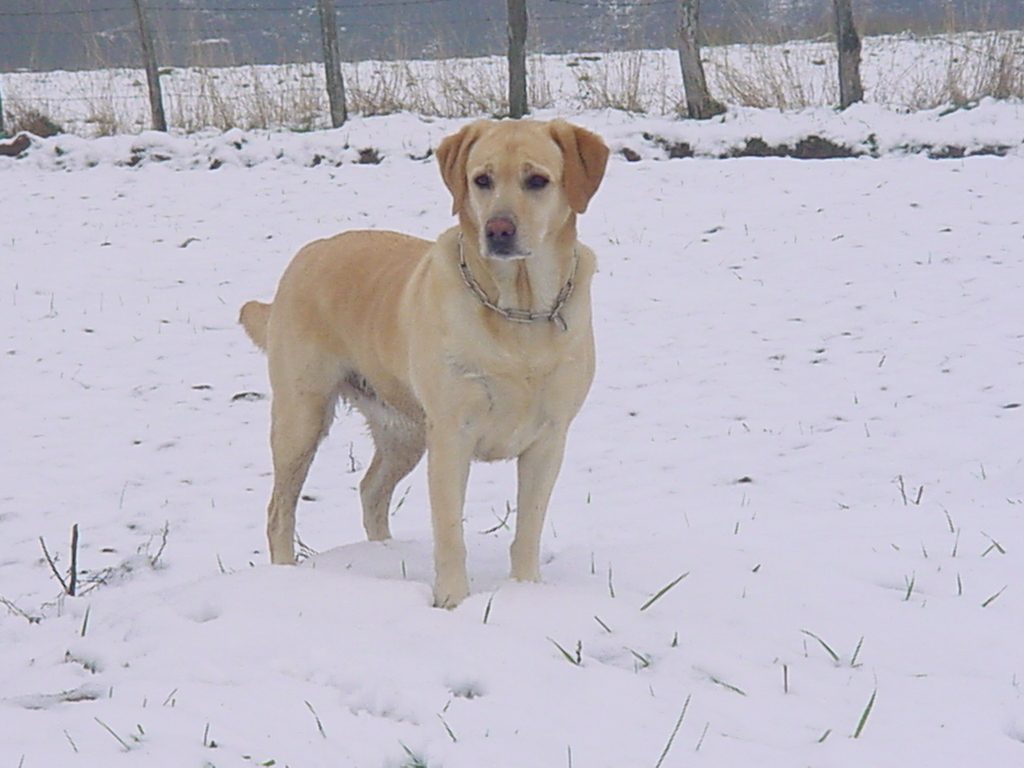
<point>21,119</point>
<point>464,87</point>
<point>258,98</point>
<point>632,81</point>
<point>381,91</point>
<point>774,77</point>
<point>976,66</point>
<point>440,88</point>
<point>990,66</point>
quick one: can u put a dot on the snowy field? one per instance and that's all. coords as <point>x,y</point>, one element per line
<point>809,405</point>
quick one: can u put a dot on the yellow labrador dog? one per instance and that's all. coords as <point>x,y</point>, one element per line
<point>478,346</point>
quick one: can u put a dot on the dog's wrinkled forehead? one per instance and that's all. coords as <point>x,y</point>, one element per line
<point>525,148</point>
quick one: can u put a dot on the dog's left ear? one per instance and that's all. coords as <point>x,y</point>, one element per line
<point>585,156</point>
<point>452,155</point>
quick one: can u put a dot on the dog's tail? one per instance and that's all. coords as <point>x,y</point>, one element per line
<point>254,317</point>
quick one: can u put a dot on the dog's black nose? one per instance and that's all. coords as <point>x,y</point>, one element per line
<point>501,234</point>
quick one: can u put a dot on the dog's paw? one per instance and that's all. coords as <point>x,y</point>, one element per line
<point>529,575</point>
<point>449,596</point>
<point>525,568</point>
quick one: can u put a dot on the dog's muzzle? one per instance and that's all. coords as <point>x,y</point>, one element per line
<point>500,233</point>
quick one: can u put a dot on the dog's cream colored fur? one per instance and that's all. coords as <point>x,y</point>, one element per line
<point>389,323</point>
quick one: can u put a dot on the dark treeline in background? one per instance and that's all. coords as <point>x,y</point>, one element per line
<point>81,34</point>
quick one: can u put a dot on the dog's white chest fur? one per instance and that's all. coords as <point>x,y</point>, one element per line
<point>506,412</point>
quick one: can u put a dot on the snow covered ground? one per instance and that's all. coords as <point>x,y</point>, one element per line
<point>990,128</point>
<point>808,404</point>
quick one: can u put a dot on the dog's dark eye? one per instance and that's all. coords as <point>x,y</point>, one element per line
<point>483,181</point>
<point>536,181</point>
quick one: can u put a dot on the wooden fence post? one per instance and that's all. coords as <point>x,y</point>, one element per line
<point>156,102</point>
<point>517,28</point>
<point>3,133</point>
<point>850,88</point>
<point>332,63</point>
<point>699,103</point>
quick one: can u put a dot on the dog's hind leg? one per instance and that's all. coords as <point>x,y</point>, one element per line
<point>301,413</point>
<point>399,446</point>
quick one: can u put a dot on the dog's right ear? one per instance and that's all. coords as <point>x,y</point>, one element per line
<point>452,155</point>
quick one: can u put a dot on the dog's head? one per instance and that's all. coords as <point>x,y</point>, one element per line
<point>517,185</point>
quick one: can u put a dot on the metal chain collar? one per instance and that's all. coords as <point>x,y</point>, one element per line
<point>523,315</point>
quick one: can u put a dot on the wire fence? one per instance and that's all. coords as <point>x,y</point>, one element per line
<point>411,55</point>
<point>43,35</point>
<point>101,33</point>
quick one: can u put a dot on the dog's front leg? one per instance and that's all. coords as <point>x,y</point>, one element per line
<point>538,468</point>
<point>448,460</point>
